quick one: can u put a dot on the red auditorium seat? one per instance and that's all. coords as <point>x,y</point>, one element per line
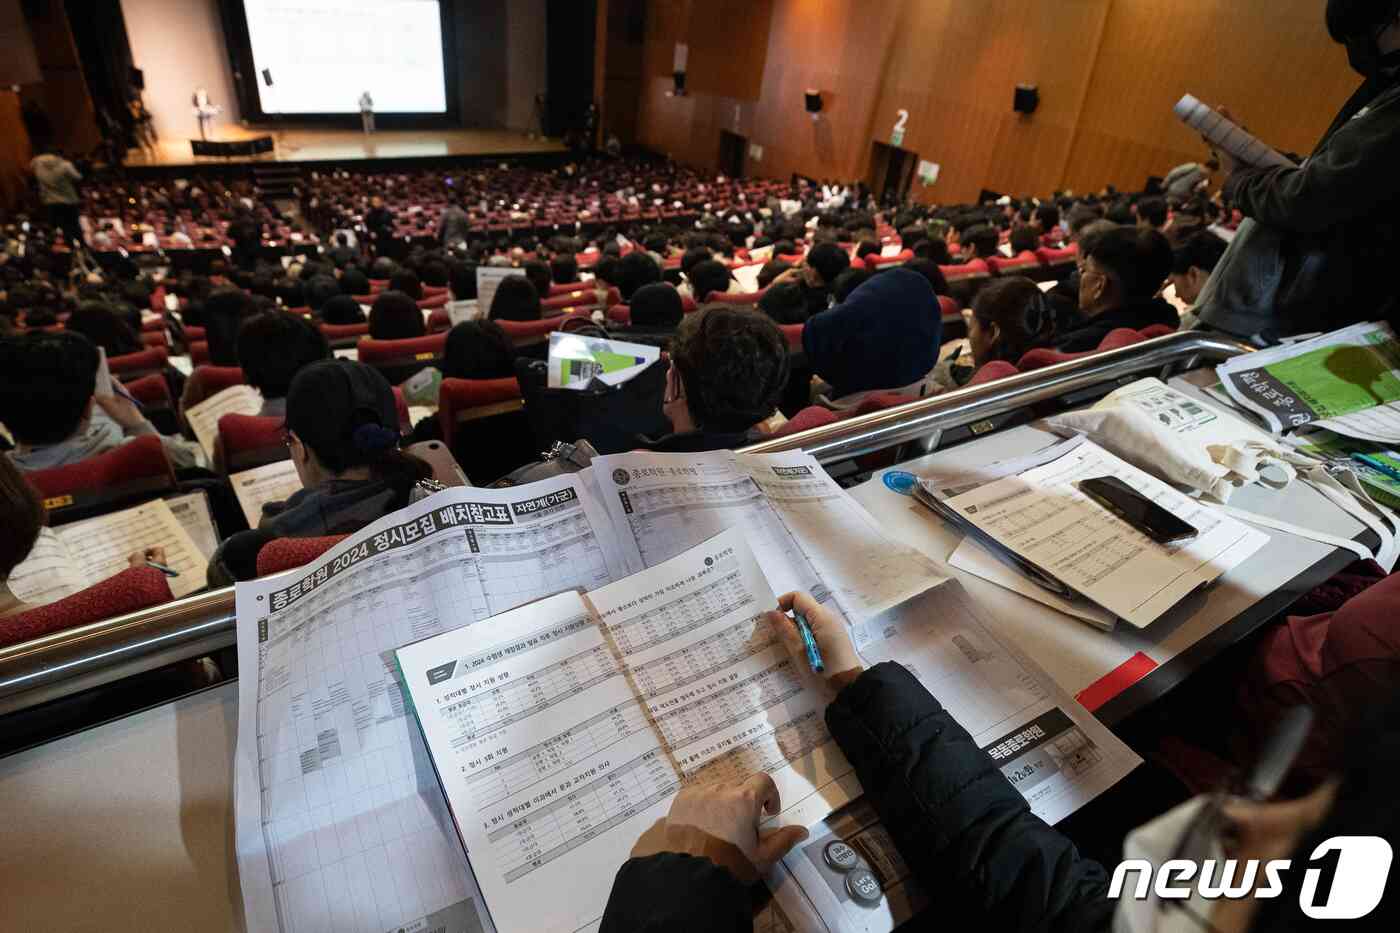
<point>876,263</point>
<point>439,321</point>
<point>342,336</point>
<point>813,416</point>
<point>793,334</point>
<point>436,301</point>
<point>1157,330</point>
<point>131,590</point>
<point>969,270</point>
<point>378,285</point>
<point>248,441</point>
<point>153,338</point>
<point>738,299</point>
<point>461,400</point>
<point>136,365</point>
<point>1044,356</point>
<point>400,355</point>
<point>1058,257</point>
<point>199,352</point>
<point>195,333</point>
<point>282,554</point>
<point>620,314</point>
<point>206,381</point>
<point>530,333</point>
<point>949,307</point>
<point>152,391</point>
<point>137,470</point>
<point>991,372</point>
<point>1025,262</point>
<point>154,326</point>
<point>433,291</point>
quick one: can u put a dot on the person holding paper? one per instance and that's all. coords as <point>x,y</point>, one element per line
<point>969,835</point>
<point>49,400</point>
<point>343,435</point>
<point>1319,251</point>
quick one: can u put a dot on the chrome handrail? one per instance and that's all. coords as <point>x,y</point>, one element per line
<point>73,660</point>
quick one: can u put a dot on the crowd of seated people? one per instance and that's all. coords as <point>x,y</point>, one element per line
<point>768,298</point>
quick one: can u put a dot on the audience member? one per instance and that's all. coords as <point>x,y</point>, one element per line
<point>395,316</point>
<point>848,282</point>
<point>224,312</point>
<point>656,311</point>
<point>785,303</point>
<point>707,278</point>
<point>636,269</point>
<point>406,281</point>
<point>770,271</point>
<point>96,321</point>
<point>563,270</point>
<point>539,275</point>
<point>885,336</point>
<point>729,367</point>
<point>982,242</point>
<point>478,350</point>
<point>21,522</point>
<point>515,300</point>
<point>1152,213</point>
<point>341,310</point>
<point>274,347</point>
<point>1009,317</point>
<point>1122,273</point>
<point>49,402</point>
<point>319,290</point>
<point>1193,263</point>
<point>343,435</point>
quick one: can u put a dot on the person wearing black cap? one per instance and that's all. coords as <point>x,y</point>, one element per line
<point>343,433</point>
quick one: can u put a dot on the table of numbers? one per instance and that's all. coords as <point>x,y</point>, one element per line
<point>701,659</point>
<point>552,829</point>
<point>731,704</point>
<point>766,750</point>
<point>525,695</point>
<point>525,769</point>
<point>668,620</point>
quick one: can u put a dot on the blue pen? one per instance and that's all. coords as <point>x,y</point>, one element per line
<point>809,641</point>
<point>1376,463</point>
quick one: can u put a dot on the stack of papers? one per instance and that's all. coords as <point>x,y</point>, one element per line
<point>1347,381</point>
<point>575,361</point>
<point>1061,548</point>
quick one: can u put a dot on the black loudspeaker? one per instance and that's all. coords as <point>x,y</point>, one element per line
<point>814,100</point>
<point>267,76</point>
<point>137,78</point>
<point>1027,98</point>
<point>679,78</point>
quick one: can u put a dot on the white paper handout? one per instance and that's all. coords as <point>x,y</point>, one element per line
<point>271,482</point>
<point>204,418</point>
<point>1041,515</point>
<point>1347,381</point>
<point>488,279</point>
<point>340,823</point>
<point>78,555</point>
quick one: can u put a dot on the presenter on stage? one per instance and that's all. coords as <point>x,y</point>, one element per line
<point>1317,250</point>
<point>367,112</point>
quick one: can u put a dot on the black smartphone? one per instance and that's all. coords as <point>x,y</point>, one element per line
<point>1137,510</point>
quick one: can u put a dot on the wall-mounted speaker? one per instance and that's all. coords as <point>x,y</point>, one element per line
<point>1027,98</point>
<point>136,78</point>
<point>678,77</point>
<point>813,100</point>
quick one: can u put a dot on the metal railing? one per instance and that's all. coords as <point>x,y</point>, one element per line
<point>74,660</point>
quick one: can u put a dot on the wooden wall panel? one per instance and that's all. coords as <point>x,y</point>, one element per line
<point>1108,71</point>
<point>1270,61</point>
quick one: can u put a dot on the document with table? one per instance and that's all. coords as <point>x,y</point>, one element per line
<point>76,556</point>
<point>1031,511</point>
<point>560,730</point>
<point>271,482</point>
<point>203,418</point>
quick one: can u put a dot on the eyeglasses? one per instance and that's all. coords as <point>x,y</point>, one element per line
<point>1261,782</point>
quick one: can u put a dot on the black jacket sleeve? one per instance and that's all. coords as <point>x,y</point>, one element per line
<point>676,894</point>
<point>965,831</point>
<point>1349,175</point>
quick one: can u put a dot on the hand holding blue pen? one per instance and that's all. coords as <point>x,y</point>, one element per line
<point>809,642</point>
<point>812,632</point>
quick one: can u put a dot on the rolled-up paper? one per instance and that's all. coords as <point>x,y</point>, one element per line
<point>1227,135</point>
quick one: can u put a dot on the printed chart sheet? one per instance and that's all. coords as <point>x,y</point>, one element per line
<point>271,482</point>
<point>340,821</point>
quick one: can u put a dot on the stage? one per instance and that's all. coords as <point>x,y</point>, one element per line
<point>330,145</point>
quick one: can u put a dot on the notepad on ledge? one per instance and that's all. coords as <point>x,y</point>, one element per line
<point>1031,515</point>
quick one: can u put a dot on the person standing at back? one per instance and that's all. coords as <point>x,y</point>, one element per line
<point>59,193</point>
<point>1317,249</point>
<point>367,112</point>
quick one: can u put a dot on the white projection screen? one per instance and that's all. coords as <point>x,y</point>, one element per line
<point>321,55</point>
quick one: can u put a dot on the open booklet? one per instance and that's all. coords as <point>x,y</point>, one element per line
<point>71,558</point>
<point>1063,549</point>
<point>325,748</point>
<point>1347,382</point>
<point>562,730</point>
<point>271,482</point>
<point>203,418</point>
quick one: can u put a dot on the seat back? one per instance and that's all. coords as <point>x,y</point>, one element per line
<point>136,471</point>
<point>400,359</point>
<point>1025,262</point>
<point>136,365</point>
<point>131,590</point>
<point>484,426</point>
<point>1042,357</point>
<point>199,352</point>
<point>206,381</point>
<point>248,441</point>
<point>531,333</point>
<point>738,299</point>
<point>792,333</point>
<point>281,554</point>
<point>463,400</point>
<point>813,416</point>
<point>342,336</point>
